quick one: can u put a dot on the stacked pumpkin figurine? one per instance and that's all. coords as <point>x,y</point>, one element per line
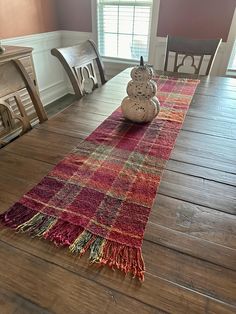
<point>141,104</point>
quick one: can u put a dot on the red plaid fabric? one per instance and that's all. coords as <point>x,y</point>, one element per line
<point>100,195</point>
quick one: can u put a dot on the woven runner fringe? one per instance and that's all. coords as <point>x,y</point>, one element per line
<point>62,233</point>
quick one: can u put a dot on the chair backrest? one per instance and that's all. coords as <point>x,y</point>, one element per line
<point>78,60</point>
<point>13,79</point>
<point>195,49</point>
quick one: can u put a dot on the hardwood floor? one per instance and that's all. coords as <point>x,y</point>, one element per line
<point>190,241</point>
<point>59,105</point>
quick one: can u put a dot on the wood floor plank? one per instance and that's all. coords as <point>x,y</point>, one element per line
<point>59,105</point>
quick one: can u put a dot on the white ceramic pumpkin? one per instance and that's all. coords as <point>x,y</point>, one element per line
<point>141,72</point>
<point>141,105</point>
<point>145,89</point>
<point>140,111</point>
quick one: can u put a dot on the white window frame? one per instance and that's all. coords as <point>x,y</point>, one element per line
<point>152,39</point>
<point>228,48</point>
<point>231,46</point>
<point>232,58</point>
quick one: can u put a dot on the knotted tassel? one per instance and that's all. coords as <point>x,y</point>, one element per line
<point>96,250</point>
<point>37,225</point>
<point>16,216</point>
<point>82,243</point>
<point>63,233</point>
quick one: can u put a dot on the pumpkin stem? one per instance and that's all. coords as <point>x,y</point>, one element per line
<point>141,61</point>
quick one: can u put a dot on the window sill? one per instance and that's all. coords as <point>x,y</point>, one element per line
<point>231,73</point>
<point>120,61</point>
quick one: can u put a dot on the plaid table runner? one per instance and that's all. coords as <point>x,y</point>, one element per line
<point>99,196</point>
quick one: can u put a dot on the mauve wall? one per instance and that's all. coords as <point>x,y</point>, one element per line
<point>196,18</point>
<point>191,18</point>
<point>26,17</point>
<point>75,15</point>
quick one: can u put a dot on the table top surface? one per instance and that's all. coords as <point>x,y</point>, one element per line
<point>190,242</point>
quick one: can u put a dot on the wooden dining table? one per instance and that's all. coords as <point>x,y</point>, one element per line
<point>189,246</point>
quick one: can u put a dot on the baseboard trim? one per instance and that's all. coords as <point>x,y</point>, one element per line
<point>53,92</point>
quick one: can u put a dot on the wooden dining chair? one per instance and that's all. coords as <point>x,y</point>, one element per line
<point>79,61</point>
<point>195,49</point>
<point>14,116</point>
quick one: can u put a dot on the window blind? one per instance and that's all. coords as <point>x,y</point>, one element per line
<point>124,28</point>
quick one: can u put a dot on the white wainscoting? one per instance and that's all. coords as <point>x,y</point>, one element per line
<point>52,79</point>
<point>50,75</point>
<point>69,38</point>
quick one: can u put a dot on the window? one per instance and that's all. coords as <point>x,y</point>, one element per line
<point>124,28</point>
<point>232,61</point>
